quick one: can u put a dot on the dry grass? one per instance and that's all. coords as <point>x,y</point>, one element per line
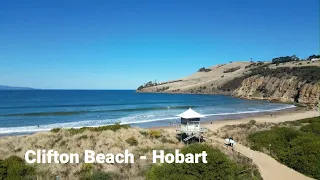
<point>105,142</point>
<point>240,132</point>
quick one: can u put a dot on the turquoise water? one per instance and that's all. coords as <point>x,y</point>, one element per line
<point>38,110</point>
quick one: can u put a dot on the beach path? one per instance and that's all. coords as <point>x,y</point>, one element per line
<point>270,169</point>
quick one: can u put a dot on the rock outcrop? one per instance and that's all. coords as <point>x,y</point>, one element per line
<point>284,89</point>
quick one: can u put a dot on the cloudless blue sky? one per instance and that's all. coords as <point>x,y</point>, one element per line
<point>74,44</point>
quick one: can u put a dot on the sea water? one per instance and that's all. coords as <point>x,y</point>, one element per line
<point>28,111</point>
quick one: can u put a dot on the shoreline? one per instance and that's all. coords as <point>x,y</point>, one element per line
<point>224,119</point>
<point>153,123</point>
<point>291,114</point>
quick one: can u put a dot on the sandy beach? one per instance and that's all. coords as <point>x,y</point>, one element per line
<point>291,114</point>
<point>274,117</point>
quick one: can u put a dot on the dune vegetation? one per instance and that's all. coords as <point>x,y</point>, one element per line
<point>105,139</point>
<point>15,167</point>
<point>295,143</point>
<point>219,166</point>
<point>113,139</point>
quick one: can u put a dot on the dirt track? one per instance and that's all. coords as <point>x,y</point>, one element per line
<point>269,167</point>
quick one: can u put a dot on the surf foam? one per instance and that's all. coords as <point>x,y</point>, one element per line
<point>135,119</point>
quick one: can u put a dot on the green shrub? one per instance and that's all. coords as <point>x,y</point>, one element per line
<point>15,168</point>
<point>278,137</point>
<point>162,89</point>
<point>144,133</point>
<point>132,141</point>
<point>74,131</point>
<point>63,143</point>
<point>55,130</point>
<point>252,122</point>
<point>82,137</point>
<point>219,166</point>
<point>140,87</point>
<point>88,173</point>
<point>304,155</point>
<point>85,171</point>
<point>310,120</point>
<point>154,133</point>
<point>99,175</point>
<point>113,127</point>
<point>165,140</point>
<point>297,148</point>
<point>313,56</point>
<point>232,69</point>
<point>284,59</point>
<point>233,84</point>
<point>85,167</point>
<point>203,69</point>
<point>311,128</point>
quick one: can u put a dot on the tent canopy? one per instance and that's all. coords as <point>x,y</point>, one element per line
<point>189,114</point>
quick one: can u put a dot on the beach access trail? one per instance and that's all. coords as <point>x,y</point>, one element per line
<point>269,168</point>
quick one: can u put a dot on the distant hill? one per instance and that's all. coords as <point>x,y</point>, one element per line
<point>2,87</point>
<point>284,79</point>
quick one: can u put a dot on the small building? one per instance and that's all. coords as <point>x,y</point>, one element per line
<point>190,125</point>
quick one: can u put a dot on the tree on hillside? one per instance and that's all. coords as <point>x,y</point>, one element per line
<point>313,57</point>
<point>285,59</point>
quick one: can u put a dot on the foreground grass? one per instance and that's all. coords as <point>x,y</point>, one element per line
<point>219,166</point>
<point>112,139</point>
<point>105,139</point>
<point>14,167</point>
<point>295,144</point>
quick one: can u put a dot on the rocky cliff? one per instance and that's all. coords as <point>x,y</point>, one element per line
<point>292,82</point>
<point>282,89</point>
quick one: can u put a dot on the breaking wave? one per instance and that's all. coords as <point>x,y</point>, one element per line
<point>66,113</point>
<point>133,119</point>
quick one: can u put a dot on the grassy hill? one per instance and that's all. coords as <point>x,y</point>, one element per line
<point>281,80</point>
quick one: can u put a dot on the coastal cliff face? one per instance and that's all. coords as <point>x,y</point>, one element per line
<point>284,89</point>
<point>291,82</point>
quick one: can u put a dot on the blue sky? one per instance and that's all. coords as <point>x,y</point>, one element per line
<point>122,44</point>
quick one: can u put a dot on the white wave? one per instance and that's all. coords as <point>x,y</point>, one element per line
<point>151,120</point>
<point>251,112</point>
<point>78,124</point>
<point>136,119</point>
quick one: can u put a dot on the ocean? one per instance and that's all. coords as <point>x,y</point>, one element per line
<point>29,111</point>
